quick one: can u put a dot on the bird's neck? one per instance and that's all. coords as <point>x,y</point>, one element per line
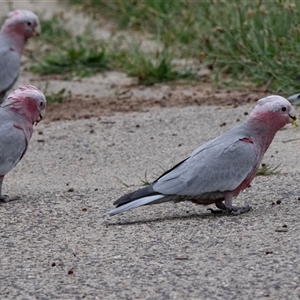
<point>263,132</point>
<point>22,118</point>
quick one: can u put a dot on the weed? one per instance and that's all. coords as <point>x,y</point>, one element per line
<point>145,182</point>
<point>266,170</point>
<point>58,97</point>
<point>150,69</point>
<point>123,182</point>
<point>77,59</point>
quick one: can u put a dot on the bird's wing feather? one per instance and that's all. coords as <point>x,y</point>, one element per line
<point>219,165</point>
<point>9,66</point>
<point>13,145</point>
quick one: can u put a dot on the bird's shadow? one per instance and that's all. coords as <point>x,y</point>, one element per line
<point>203,216</point>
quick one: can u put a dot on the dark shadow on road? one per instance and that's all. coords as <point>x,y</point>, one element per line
<point>200,217</point>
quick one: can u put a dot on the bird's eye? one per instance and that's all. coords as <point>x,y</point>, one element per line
<point>41,104</point>
<point>283,108</point>
<point>29,23</point>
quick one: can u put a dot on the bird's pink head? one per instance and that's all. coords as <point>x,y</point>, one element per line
<point>27,101</point>
<point>22,23</point>
<point>274,111</point>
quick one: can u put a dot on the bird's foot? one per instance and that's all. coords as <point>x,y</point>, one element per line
<point>5,198</point>
<point>232,210</point>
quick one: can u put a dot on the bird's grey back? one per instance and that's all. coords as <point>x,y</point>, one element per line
<point>12,140</point>
<point>221,164</point>
<point>9,65</point>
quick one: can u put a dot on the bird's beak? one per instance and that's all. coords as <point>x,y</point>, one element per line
<point>41,116</point>
<point>293,118</point>
<point>37,30</point>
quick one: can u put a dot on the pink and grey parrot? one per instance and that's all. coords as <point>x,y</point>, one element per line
<point>221,168</point>
<point>18,113</point>
<point>19,26</point>
<point>294,98</point>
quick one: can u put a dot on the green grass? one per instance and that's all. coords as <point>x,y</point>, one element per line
<point>253,42</point>
<point>73,61</point>
<point>54,32</point>
<point>67,54</point>
<point>152,68</point>
<point>79,58</point>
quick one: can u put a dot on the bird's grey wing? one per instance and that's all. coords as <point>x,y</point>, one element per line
<point>13,145</point>
<point>9,67</point>
<point>220,165</point>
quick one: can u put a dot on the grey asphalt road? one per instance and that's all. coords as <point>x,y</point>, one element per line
<point>55,244</point>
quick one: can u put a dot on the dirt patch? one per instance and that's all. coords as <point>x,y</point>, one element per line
<point>142,98</point>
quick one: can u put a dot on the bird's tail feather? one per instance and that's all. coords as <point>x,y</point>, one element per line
<point>136,203</point>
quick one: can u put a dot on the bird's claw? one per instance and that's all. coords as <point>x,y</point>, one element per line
<point>4,198</point>
<point>233,210</point>
<point>216,211</point>
<point>240,210</point>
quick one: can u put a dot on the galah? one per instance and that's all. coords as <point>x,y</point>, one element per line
<point>221,168</point>
<point>19,26</point>
<point>294,98</point>
<point>22,109</point>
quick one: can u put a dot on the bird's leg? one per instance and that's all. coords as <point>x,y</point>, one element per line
<point>2,96</point>
<point>3,198</point>
<point>228,208</point>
